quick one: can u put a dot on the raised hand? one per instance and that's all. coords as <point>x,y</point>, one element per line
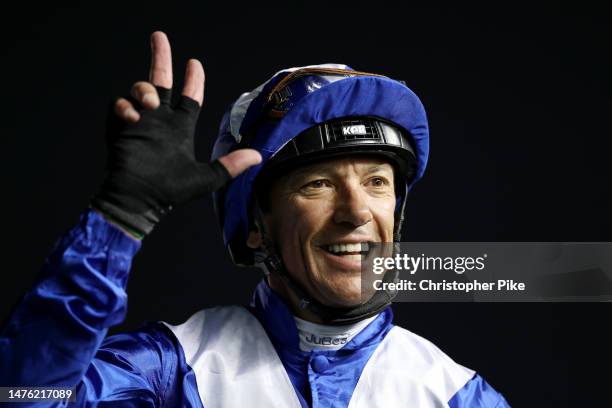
<point>151,163</point>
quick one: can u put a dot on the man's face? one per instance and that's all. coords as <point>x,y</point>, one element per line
<point>319,209</point>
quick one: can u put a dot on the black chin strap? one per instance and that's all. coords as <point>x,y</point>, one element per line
<point>269,260</point>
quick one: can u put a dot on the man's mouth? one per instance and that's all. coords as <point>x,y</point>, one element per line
<point>348,248</point>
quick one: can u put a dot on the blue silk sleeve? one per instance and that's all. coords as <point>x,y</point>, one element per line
<point>54,337</point>
<point>145,368</point>
<point>477,393</point>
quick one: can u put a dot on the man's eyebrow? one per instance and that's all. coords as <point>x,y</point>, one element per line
<point>377,168</point>
<point>326,169</point>
<point>317,170</point>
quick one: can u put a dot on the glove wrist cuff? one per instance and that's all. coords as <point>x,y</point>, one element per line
<point>138,225</point>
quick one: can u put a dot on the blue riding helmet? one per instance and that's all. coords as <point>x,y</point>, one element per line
<point>315,112</point>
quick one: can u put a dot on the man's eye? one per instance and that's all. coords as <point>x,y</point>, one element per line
<point>317,184</point>
<point>378,181</point>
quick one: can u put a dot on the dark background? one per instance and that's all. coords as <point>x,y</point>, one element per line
<point>518,99</point>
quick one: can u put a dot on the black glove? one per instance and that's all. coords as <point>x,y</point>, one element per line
<point>151,164</point>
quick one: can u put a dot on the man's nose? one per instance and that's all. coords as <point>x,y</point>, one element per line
<point>352,207</point>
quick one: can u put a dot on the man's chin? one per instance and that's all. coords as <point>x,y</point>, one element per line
<point>342,294</point>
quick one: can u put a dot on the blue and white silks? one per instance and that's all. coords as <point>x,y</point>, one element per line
<point>221,357</point>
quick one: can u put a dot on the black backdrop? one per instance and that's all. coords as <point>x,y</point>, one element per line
<point>518,99</point>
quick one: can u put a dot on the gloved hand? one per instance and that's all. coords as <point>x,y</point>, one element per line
<point>151,164</point>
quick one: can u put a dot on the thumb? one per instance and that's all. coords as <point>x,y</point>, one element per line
<point>238,161</point>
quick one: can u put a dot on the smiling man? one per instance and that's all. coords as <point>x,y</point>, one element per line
<point>309,169</point>
<point>322,215</point>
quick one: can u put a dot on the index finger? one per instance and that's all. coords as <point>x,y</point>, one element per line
<point>161,61</point>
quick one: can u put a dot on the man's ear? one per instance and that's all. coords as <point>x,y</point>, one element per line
<point>254,240</point>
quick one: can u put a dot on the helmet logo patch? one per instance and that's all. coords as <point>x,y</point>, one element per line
<point>354,130</point>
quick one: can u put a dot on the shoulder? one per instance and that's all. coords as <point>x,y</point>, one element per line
<point>227,329</point>
<point>147,358</point>
<point>207,322</point>
<point>423,361</point>
<point>153,338</point>
<point>228,342</point>
<point>424,356</point>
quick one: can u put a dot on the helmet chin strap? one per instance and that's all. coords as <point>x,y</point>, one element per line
<point>270,261</point>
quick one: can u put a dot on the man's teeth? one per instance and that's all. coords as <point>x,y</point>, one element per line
<point>338,248</point>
